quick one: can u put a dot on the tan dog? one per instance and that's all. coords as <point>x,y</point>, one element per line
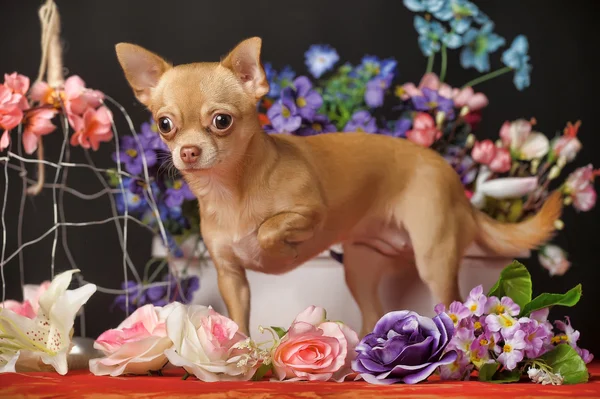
<point>271,202</point>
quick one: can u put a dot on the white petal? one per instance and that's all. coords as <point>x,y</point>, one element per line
<point>58,361</point>
<point>63,311</point>
<point>509,187</point>
<point>536,145</point>
<point>59,286</point>
<point>9,367</point>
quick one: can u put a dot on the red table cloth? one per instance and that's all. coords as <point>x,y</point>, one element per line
<point>82,384</point>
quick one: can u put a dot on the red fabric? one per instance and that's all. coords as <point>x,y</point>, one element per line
<point>82,384</point>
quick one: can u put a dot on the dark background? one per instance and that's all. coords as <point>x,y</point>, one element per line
<point>563,45</point>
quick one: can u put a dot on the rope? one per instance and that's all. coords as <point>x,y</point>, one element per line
<point>51,66</point>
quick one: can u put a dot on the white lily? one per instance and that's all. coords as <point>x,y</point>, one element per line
<point>30,344</point>
<point>502,188</point>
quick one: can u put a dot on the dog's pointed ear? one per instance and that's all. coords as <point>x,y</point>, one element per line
<point>244,61</point>
<point>142,68</point>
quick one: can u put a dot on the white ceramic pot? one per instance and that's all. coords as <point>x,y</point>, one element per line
<point>276,300</point>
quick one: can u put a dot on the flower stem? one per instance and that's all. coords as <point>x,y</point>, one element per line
<point>444,63</point>
<point>430,63</point>
<point>185,376</point>
<point>488,76</point>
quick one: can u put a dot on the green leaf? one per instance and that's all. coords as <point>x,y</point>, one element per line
<point>261,372</point>
<point>564,360</point>
<point>569,298</point>
<point>487,371</point>
<point>515,283</point>
<point>279,331</point>
<point>506,376</point>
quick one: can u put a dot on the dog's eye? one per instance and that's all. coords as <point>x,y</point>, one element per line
<point>222,121</point>
<point>165,125</point>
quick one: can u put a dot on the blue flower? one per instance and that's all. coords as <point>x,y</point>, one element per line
<point>431,100</point>
<point>149,137</point>
<point>135,201</point>
<point>361,121</point>
<point>307,100</point>
<point>375,91</point>
<point>457,9</point>
<point>373,66</point>
<point>478,45</point>
<point>516,57</point>
<point>431,6</point>
<point>136,298</point>
<point>278,82</point>
<point>177,193</point>
<point>284,115</point>
<point>132,155</point>
<point>431,34</point>
<point>320,124</point>
<point>320,59</point>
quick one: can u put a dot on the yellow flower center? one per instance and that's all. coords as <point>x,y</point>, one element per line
<point>301,101</point>
<point>557,339</point>
<point>432,104</point>
<point>285,112</point>
<point>135,199</point>
<point>399,91</point>
<point>507,348</point>
<point>177,184</point>
<point>317,127</point>
<point>360,130</point>
<point>132,153</point>
<point>506,321</point>
<point>473,308</point>
<point>500,309</point>
<point>453,318</point>
<point>484,342</point>
<point>477,325</point>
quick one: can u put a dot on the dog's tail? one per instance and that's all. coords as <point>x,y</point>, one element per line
<point>508,239</point>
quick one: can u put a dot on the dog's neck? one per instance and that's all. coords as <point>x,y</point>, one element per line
<point>229,182</point>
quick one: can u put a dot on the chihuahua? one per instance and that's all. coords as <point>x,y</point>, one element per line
<point>270,202</point>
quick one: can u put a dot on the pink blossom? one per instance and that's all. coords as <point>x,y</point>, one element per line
<point>11,113</point>
<point>18,84</point>
<point>38,122</point>
<point>424,131</point>
<point>483,151</point>
<point>137,345</point>
<point>460,369</point>
<point>314,349</point>
<point>500,306</point>
<point>502,161</point>
<point>537,338</point>
<point>580,188</point>
<point>462,340</point>
<point>476,301</point>
<point>554,259</point>
<point>31,300</point>
<point>523,142</point>
<point>503,323</point>
<point>468,98</point>
<point>512,351</point>
<point>79,98</point>
<point>94,127</point>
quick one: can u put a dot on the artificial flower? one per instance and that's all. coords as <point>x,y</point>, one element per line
<point>278,81</point>
<point>320,124</point>
<point>373,66</point>
<point>571,336</point>
<point>284,114</point>
<point>478,44</point>
<point>501,306</point>
<point>483,152</point>
<point>460,369</point>
<point>38,122</point>
<point>375,91</point>
<point>467,97</point>
<point>35,344</point>
<point>456,311</point>
<point>523,142</point>
<point>430,35</point>
<point>424,5</point>
<point>516,57</point>
<point>209,345</point>
<point>512,350</point>
<point>554,259</point>
<point>177,193</point>
<point>568,145</point>
<point>11,114</point>
<point>320,59</point>
<point>424,130</point>
<point>308,100</point>
<point>93,127</point>
<point>314,349</point>
<point>544,377</point>
<point>19,85</point>
<point>580,189</point>
<point>404,347</point>
<point>137,345</point>
<point>432,100</point>
<point>361,121</point>
<point>537,337</point>
<point>134,157</point>
<point>502,161</point>
<point>476,301</point>
<point>31,300</point>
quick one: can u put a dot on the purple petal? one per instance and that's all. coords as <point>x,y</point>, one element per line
<point>388,320</point>
<point>302,85</point>
<point>420,103</point>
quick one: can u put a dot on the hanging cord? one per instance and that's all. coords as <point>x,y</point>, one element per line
<point>51,65</point>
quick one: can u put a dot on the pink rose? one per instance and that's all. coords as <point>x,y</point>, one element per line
<point>137,345</point>
<point>314,349</point>
<point>502,161</point>
<point>483,152</point>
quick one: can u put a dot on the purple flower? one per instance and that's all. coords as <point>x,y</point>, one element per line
<point>178,193</point>
<point>404,347</point>
<point>504,323</point>
<point>136,297</point>
<point>460,369</point>
<point>481,345</point>
<point>512,351</point>
<point>308,100</point>
<point>284,115</point>
<point>431,100</point>
<point>571,336</point>
<point>476,301</point>
<point>320,124</point>
<point>361,121</point>
<point>537,338</point>
<point>506,305</point>
<point>150,138</point>
<point>132,155</point>
<point>462,340</point>
<point>375,91</point>
<point>456,312</point>
<point>180,290</point>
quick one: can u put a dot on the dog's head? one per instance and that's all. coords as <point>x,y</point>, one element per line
<point>205,112</point>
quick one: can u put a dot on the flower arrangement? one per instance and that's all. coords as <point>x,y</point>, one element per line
<point>501,336</point>
<point>508,179</point>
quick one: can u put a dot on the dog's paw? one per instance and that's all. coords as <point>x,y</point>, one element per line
<point>275,244</point>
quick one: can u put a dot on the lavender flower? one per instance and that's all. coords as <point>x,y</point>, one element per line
<point>131,155</point>
<point>320,124</point>
<point>404,347</point>
<point>571,336</point>
<point>136,297</point>
<point>284,115</point>
<point>431,100</point>
<point>505,305</point>
<point>457,311</point>
<point>476,301</point>
<point>460,369</point>
<point>537,338</point>
<point>180,290</point>
<point>512,351</point>
<point>176,194</point>
<point>375,91</point>
<point>308,101</point>
<point>361,121</point>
